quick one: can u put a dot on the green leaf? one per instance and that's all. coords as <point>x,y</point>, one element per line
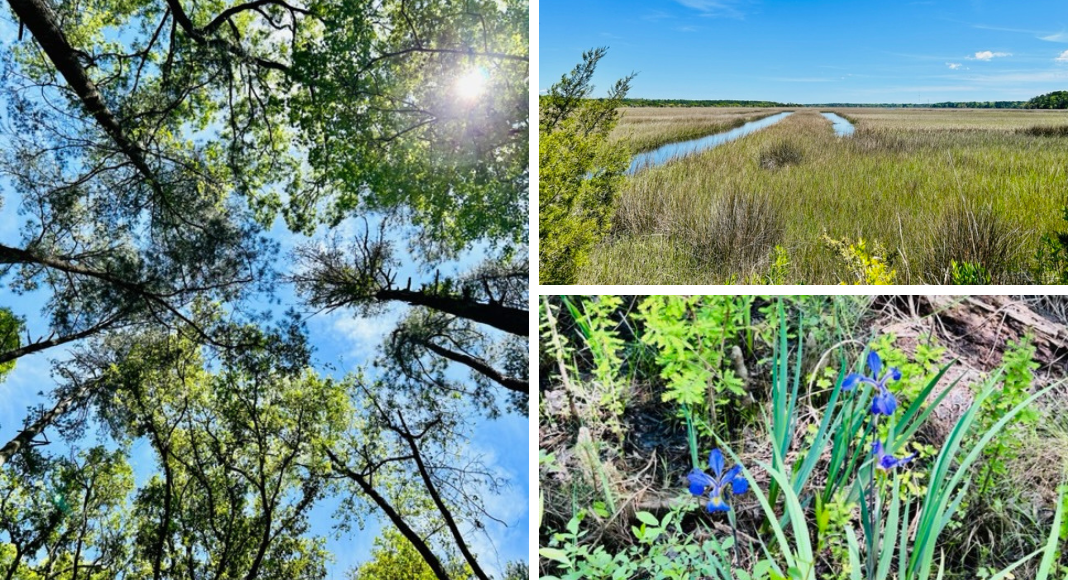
<point>1046,566</point>
<point>555,554</point>
<point>854,554</point>
<point>647,518</point>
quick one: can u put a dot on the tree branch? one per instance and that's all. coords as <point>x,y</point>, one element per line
<point>446,514</point>
<point>476,364</point>
<point>34,429</point>
<point>201,36</point>
<point>511,320</point>
<point>40,345</point>
<point>41,21</point>
<point>398,520</point>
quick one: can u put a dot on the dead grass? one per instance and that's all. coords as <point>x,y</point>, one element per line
<point>1046,130</point>
<point>646,128</point>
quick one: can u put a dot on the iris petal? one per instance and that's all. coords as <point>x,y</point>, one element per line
<point>699,481</point>
<point>730,475</point>
<point>877,449</point>
<point>851,381</point>
<point>890,462</point>
<point>740,484</point>
<point>715,461</point>
<point>895,374</point>
<point>716,504</point>
<point>875,363</point>
<point>884,403</point>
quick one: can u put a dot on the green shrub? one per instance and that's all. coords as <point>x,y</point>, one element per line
<point>580,171</point>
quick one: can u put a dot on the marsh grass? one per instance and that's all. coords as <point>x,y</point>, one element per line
<point>644,129</point>
<point>927,185</point>
<point>1047,130</point>
<point>734,233</point>
<point>974,232</point>
<point>780,155</point>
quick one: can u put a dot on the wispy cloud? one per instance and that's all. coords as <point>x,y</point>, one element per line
<point>656,16</point>
<point>953,65</point>
<point>727,8</point>
<point>363,333</point>
<point>1061,36</point>
<point>987,55</point>
<point>1004,29</point>
<point>800,79</point>
<point>1063,57</point>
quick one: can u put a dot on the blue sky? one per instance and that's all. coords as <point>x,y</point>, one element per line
<point>344,341</point>
<point>815,51</point>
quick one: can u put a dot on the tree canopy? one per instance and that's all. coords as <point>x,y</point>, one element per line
<point>184,174</point>
<point>1054,100</point>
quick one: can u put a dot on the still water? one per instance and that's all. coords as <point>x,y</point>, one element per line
<point>842,127</point>
<point>673,151</point>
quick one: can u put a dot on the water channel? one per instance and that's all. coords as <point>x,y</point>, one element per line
<point>673,151</point>
<point>841,126</point>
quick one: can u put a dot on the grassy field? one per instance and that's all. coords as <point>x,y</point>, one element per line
<point>922,188</point>
<point>642,129</point>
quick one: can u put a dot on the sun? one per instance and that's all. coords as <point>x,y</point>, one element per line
<point>471,85</point>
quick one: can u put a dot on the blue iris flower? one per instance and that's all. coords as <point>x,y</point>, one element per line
<point>701,482</point>
<point>885,461</point>
<point>884,402</point>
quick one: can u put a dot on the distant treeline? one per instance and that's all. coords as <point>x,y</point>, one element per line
<point>701,103</point>
<point>946,105</point>
<point>1054,100</point>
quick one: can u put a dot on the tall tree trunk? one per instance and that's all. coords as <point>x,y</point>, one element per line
<point>511,320</point>
<point>434,495</point>
<point>38,17</point>
<point>402,526</point>
<point>44,421</point>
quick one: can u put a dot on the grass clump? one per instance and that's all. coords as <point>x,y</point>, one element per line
<point>736,231</point>
<point>780,155</point>
<point>1046,131</point>
<point>983,243</point>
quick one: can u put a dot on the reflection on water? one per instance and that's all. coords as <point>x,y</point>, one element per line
<point>842,127</point>
<point>683,148</point>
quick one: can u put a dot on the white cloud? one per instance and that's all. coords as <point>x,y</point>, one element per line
<point>987,55</point>
<point>1058,37</point>
<point>953,65</point>
<point>713,7</point>
<point>1063,57</point>
<point>364,333</point>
